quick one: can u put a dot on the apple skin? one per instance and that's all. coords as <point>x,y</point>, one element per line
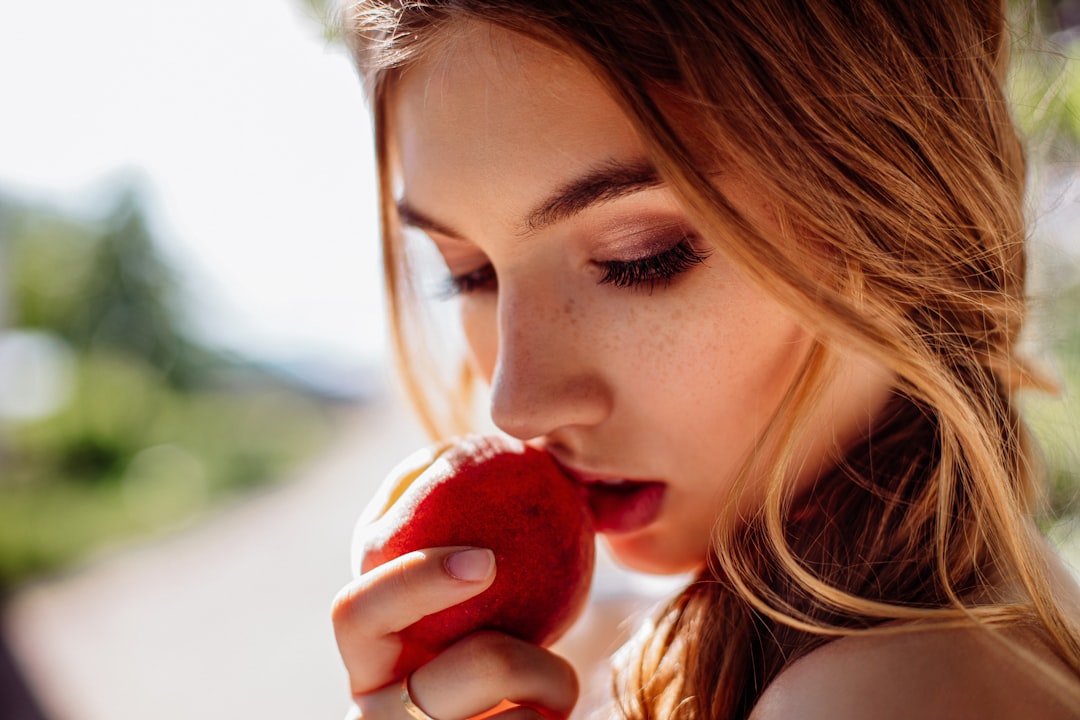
<point>489,492</point>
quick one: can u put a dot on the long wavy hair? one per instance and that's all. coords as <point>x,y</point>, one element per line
<point>880,132</point>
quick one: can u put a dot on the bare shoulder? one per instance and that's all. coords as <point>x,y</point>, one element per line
<point>929,674</point>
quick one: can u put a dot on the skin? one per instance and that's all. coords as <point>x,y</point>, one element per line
<point>673,383</point>
<point>900,677</point>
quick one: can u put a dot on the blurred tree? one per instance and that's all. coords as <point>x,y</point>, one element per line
<point>152,425</point>
<point>128,294</point>
<point>101,285</point>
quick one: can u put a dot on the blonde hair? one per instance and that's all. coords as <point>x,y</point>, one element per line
<point>880,131</point>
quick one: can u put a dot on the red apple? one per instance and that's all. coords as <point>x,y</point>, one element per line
<point>489,492</point>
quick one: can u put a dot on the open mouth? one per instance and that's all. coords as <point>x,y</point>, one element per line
<point>618,505</point>
<point>623,507</point>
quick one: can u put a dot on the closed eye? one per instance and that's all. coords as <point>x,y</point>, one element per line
<point>481,279</point>
<point>642,273</point>
<point>648,272</point>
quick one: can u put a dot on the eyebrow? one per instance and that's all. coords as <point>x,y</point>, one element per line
<point>408,215</point>
<point>607,182</point>
<point>604,183</point>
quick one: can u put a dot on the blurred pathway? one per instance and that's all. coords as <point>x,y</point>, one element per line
<point>228,619</point>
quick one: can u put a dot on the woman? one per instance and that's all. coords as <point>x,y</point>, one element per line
<point>753,273</point>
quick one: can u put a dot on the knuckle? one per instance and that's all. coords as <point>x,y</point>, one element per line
<point>497,659</point>
<point>498,655</point>
<point>353,606</point>
<point>571,683</point>
<point>343,606</point>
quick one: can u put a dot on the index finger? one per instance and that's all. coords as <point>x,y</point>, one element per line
<point>368,612</point>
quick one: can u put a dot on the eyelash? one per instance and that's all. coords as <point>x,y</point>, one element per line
<point>648,272</point>
<point>645,273</point>
<point>470,282</point>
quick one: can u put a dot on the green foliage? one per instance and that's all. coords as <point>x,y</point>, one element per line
<point>130,456</point>
<point>155,428</point>
<point>1055,419</point>
<point>99,284</point>
<point>1044,77</point>
<point>1044,86</point>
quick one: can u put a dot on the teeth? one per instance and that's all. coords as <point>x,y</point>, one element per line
<point>613,481</point>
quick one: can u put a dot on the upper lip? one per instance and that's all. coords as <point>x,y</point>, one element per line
<point>586,477</point>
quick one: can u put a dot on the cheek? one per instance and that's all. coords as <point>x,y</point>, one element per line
<point>764,356</point>
<point>753,372</point>
<point>723,366</point>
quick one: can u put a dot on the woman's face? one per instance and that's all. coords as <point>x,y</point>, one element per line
<point>609,331</point>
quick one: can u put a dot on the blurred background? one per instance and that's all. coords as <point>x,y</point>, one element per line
<point>194,392</point>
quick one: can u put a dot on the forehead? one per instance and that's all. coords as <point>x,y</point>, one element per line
<point>490,113</point>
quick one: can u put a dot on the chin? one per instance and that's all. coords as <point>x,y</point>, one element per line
<point>636,555</point>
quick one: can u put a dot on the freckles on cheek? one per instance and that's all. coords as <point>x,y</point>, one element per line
<point>737,357</point>
<point>665,351</point>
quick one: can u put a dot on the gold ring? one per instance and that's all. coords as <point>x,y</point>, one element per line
<point>410,707</point>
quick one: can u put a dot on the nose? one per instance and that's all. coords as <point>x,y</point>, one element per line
<point>548,375</point>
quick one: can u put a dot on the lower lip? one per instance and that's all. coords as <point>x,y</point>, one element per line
<point>625,507</point>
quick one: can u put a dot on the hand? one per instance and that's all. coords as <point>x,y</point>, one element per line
<point>470,677</point>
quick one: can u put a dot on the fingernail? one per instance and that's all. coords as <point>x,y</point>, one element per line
<point>470,565</point>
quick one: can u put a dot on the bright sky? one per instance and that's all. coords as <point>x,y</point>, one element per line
<point>253,136</point>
